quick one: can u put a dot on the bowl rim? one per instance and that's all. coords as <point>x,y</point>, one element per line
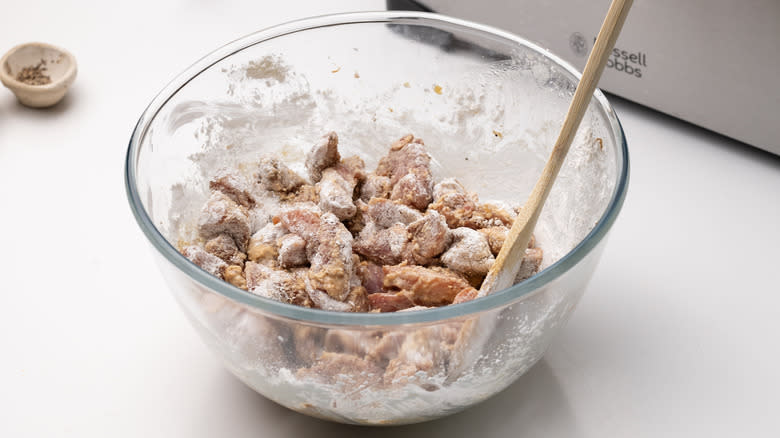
<point>290,311</point>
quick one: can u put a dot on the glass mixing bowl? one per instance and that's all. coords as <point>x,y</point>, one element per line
<point>488,105</point>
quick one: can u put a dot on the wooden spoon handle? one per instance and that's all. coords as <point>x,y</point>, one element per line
<point>504,270</point>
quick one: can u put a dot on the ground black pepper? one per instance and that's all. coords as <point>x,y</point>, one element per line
<point>33,75</point>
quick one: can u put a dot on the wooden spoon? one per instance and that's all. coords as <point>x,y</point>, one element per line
<point>503,272</point>
<point>507,264</point>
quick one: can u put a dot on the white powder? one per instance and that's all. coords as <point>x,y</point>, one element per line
<point>469,252</point>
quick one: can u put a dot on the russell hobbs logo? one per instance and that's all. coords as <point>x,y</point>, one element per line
<point>621,60</point>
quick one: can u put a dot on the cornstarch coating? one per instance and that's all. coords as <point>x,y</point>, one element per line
<point>349,240</point>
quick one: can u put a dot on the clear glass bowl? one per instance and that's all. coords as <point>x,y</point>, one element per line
<point>488,105</point>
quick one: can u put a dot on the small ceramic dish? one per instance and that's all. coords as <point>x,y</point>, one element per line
<point>56,64</point>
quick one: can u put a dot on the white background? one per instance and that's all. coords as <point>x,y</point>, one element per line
<point>678,334</point>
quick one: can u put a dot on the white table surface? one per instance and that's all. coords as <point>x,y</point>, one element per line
<point>678,334</point>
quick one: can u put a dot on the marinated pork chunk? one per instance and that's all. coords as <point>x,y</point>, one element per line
<point>208,262</point>
<point>383,350</point>
<point>371,277</point>
<point>322,300</point>
<point>469,252</point>
<point>383,238</point>
<point>344,239</point>
<point>292,251</point>
<point>447,185</point>
<point>336,194</point>
<point>426,350</point>
<point>276,284</point>
<point>530,264</point>
<point>408,167</point>
<point>429,237</point>
<point>389,302</point>
<point>383,246</point>
<point>225,248</point>
<point>466,295</point>
<point>385,213</point>
<point>263,246</point>
<point>222,215</point>
<point>395,233</point>
<point>331,260</point>
<point>324,154</point>
<point>337,187</point>
<point>375,186</point>
<point>234,186</point>
<point>424,286</point>
<point>354,342</point>
<point>462,208</point>
<point>330,367</point>
<point>456,208</point>
<point>352,169</point>
<point>233,274</point>
<point>496,236</point>
<point>307,342</point>
<point>277,177</point>
<point>490,215</point>
<point>303,220</point>
<point>413,189</point>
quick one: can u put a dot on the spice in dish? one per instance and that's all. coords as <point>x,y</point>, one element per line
<point>34,75</point>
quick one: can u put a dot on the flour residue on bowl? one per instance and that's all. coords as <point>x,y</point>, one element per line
<point>270,67</point>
